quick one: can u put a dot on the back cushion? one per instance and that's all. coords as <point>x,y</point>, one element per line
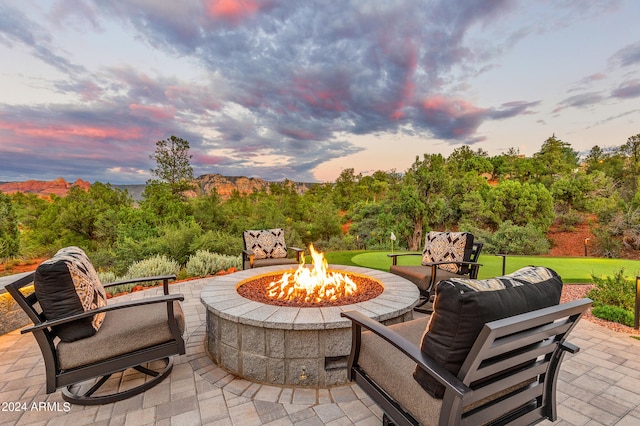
<point>266,243</point>
<point>68,284</point>
<point>454,246</point>
<point>463,306</point>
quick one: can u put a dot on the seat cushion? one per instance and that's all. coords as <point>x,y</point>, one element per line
<point>68,284</point>
<point>420,275</point>
<point>454,246</point>
<point>392,371</point>
<point>269,262</point>
<point>123,331</point>
<point>266,243</point>
<point>463,306</point>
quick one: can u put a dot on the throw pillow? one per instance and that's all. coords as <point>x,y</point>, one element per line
<point>463,306</point>
<point>454,246</point>
<point>68,284</point>
<point>266,243</point>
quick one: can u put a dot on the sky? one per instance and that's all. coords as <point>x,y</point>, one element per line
<point>303,90</point>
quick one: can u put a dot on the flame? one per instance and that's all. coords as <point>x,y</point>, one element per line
<point>312,284</point>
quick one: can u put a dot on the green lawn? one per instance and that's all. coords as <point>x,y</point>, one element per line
<point>571,269</point>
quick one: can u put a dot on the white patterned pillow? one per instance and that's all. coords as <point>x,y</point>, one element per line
<point>443,246</point>
<point>266,243</point>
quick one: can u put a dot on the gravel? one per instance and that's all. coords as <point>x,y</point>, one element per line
<point>578,291</point>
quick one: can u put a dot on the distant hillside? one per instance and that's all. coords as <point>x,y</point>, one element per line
<point>205,184</point>
<point>43,188</point>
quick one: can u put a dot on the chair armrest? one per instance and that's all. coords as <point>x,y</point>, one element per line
<point>132,303</point>
<point>394,256</point>
<point>423,360</point>
<point>164,278</point>
<point>299,253</point>
<point>446,262</point>
<point>571,348</point>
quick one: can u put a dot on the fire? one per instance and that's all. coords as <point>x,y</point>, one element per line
<point>315,284</point>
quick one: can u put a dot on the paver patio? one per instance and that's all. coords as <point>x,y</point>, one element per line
<point>598,386</point>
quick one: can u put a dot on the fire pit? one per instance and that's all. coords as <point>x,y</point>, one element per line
<point>293,345</point>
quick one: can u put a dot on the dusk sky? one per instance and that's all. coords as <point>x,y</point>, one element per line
<point>304,89</point>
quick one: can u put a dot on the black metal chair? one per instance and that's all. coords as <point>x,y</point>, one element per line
<point>432,271</point>
<point>267,247</point>
<point>508,377</point>
<point>140,334</point>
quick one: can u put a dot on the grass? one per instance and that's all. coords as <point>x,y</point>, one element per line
<point>571,269</point>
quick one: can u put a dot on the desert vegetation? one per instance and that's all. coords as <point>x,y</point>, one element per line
<point>509,201</point>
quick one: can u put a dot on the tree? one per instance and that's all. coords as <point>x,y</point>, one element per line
<point>172,164</point>
<point>631,150</point>
<point>555,158</point>
<point>9,236</point>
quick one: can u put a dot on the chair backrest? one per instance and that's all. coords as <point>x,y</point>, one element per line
<point>265,243</point>
<point>519,357</point>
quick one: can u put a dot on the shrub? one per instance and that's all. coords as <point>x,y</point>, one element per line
<point>204,263</point>
<point>515,239</point>
<point>107,277</point>
<point>606,244</point>
<point>153,266</point>
<point>218,242</point>
<point>615,291</point>
<point>614,313</point>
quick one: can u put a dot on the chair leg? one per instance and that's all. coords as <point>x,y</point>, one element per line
<point>74,394</point>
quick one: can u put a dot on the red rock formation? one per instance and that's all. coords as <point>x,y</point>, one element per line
<point>43,188</point>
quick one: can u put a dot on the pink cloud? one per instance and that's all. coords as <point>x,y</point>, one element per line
<point>66,132</point>
<point>158,113</point>
<point>231,10</point>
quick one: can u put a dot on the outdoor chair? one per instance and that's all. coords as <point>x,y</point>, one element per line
<point>84,340</point>
<point>445,255</point>
<point>491,353</point>
<point>266,247</point>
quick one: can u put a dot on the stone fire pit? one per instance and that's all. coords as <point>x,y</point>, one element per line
<point>293,346</point>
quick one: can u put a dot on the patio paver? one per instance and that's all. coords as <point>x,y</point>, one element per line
<point>599,385</point>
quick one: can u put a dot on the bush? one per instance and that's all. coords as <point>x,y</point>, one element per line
<point>606,244</point>
<point>108,277</point>
<point>204,263</point>
<point>614,313</point>
<point>615,291</point>
<point>515,239</point>
<point>154,266</point>
<point>218,242</point>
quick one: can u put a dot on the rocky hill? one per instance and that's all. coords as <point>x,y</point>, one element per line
<point>205,184</point>
<point>43,188</point>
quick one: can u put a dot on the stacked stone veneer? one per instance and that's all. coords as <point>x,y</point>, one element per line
<point>292,346</point>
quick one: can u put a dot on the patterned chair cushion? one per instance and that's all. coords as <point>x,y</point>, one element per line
<point>68,284</point>
<point>454,246</point>
<point>266,243</point>
<point>463,306</point>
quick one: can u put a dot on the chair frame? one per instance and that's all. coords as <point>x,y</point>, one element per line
<point>248,256</point>
<point>57,378</point>
<point>425,295</point>
<point>522,348</point>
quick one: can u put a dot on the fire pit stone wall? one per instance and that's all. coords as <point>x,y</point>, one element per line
<point>293,346</point>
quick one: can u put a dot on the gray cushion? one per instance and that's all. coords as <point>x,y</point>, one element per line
<point>393,371</point>
<point>123,331</point>
<point>268,262</point>
<point>421,275</point>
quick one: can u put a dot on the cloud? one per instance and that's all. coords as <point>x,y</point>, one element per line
<point>582,100</point>
<point>629,55</point>
<point>279,81</point>
<point>627,90</point>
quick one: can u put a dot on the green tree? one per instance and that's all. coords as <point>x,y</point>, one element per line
<point>521,203</point>
<point>173,164</point>
<point>631,149</point>
<point>9,235</point>
<point>555,158</point>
